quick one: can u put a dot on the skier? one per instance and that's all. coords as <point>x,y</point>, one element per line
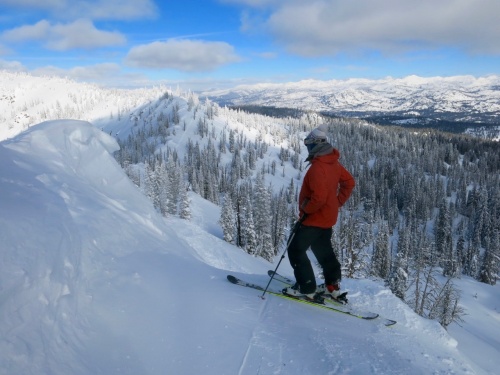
<point>327,185</point>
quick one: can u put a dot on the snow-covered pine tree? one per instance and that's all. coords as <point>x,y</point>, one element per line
<point>279,209</point>
<point>262,218</point>
<point>173,187</point>
<point>381,259</point>
<point>491,260</point>
<point>228,220</point>
<point>472,259</point>
<point>398,280</point>
<point>251,242</point>
<point>152,184</point>
<point>162,178</point>
<point>354,238</point>
<point>184,204</point>
<point>443,235</point>
<point>461,201</point>
<point>232,146</point>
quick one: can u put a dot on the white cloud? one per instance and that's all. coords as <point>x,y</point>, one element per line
<point>62,37</point>
<point>4,50</point>
<point>268,55</point>
<point>183,55</point>
<point>46,4</point>
<point>82,73</point>
<point>326,27</point>
<point>112,9</point>
<point>105,74</point>
<point>255,3</point>
<point>91,9</point>
<point>82,34</point>
<point>38,31</point>
<point>98,71</point>
<point>12,66</point>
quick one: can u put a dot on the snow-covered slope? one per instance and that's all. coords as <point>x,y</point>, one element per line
<point>26,100</point>
<point>94,281</point>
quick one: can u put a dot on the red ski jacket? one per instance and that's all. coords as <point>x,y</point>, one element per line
<point>327,185</point>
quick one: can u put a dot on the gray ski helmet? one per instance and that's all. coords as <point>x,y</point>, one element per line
<point>315,137</point>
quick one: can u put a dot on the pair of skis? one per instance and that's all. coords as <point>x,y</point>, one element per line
<point>330,304</point>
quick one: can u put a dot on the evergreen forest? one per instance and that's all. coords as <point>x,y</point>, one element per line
<point>425,210</point>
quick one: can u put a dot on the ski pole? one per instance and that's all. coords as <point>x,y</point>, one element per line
<point>292,235</point>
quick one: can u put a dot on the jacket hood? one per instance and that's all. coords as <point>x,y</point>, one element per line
<point>330,158</point>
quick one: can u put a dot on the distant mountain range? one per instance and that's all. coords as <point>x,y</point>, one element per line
<point>456,104</point>
<point>450,103</point>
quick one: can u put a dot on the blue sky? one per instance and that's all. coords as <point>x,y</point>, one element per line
<point>205,44</point>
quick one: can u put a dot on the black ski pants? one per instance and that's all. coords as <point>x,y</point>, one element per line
<point>319,240</point>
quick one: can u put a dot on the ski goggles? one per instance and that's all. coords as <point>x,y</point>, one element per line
<point>313,140</point>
